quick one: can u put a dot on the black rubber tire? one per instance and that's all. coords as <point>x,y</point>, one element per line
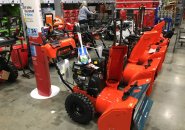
<point>79,108</point>
<point>13,72</point>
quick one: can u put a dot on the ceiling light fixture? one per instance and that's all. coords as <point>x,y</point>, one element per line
<point>48,3</point>
<point>12,3</point>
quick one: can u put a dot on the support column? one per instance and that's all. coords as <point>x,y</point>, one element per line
<point>34,22</point>
<point>58,8</point>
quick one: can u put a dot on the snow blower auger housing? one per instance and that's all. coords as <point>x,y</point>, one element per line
<point>144,50</point>
<point>162,41</point>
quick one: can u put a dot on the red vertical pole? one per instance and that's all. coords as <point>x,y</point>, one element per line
<point>33,19</point>
<point>41,67</point>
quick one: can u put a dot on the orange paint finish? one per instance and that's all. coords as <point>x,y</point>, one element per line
<point>153,69</point>
<point>117,114</point>
<point>165,42</point>
<point>51,51</point>
<point>137,91</point>
<point>160,54</point>
<point>159,27</point>
<point>109,102</point>
<point>149,91</point>
<point>117,117</point>
<point>68,42</point>
<point>133,72</point>
<point>146,39</point>
<point>108,97</point>
<point>58,22</point>
<point>115,65</point>
<point>130,71</point>
<point>49,19</point>
<point>20,51</point>
<point>111,95</point>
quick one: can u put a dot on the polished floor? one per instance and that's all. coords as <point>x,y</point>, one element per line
<point>18,111</point>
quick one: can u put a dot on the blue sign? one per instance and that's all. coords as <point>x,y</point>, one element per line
<point>32,32</point>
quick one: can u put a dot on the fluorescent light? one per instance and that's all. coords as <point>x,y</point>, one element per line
<point>12,3</point>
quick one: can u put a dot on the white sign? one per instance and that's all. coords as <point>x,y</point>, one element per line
<point>33,15</point>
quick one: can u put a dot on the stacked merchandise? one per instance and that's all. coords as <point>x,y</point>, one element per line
<point>150,6</point>
<point>71,16</point>
<point>179,12</point>
<point>167,16</point>
<point>136,3</point>
<point>9,25</point>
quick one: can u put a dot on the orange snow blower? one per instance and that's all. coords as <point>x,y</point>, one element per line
<point>148,47</point>
<point>54,34</point>
<point>99,89</point>
<point>115,103</point>
<point>56,22</point>
<point>122,105</point>
<point>144,50</point>
<point>104,86</point>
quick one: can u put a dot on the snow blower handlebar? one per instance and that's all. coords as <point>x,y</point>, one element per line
<point>59,56</point>
<point>7,41</point>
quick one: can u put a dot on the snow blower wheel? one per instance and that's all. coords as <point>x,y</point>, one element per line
<point>13,72</point>
<point>79,108</point>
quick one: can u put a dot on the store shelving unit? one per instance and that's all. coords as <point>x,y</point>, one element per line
<point>179,12</point>
<point>177,7</point>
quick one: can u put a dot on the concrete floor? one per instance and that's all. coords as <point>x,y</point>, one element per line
<point>18,111</point>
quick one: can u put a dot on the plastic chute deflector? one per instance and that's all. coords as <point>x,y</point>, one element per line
<point>142,108</point>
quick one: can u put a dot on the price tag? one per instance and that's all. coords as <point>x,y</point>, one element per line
<point>32,32</point>
<point>152,51</point>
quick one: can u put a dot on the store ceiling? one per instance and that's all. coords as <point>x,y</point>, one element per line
<point>52,1</point>
<point>18,1</point>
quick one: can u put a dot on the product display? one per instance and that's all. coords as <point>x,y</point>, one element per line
<point>96,65</point>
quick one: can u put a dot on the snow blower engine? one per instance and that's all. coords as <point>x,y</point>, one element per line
<point>90,78</point>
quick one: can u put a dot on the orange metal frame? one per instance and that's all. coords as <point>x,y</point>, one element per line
<point>51,51</point>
